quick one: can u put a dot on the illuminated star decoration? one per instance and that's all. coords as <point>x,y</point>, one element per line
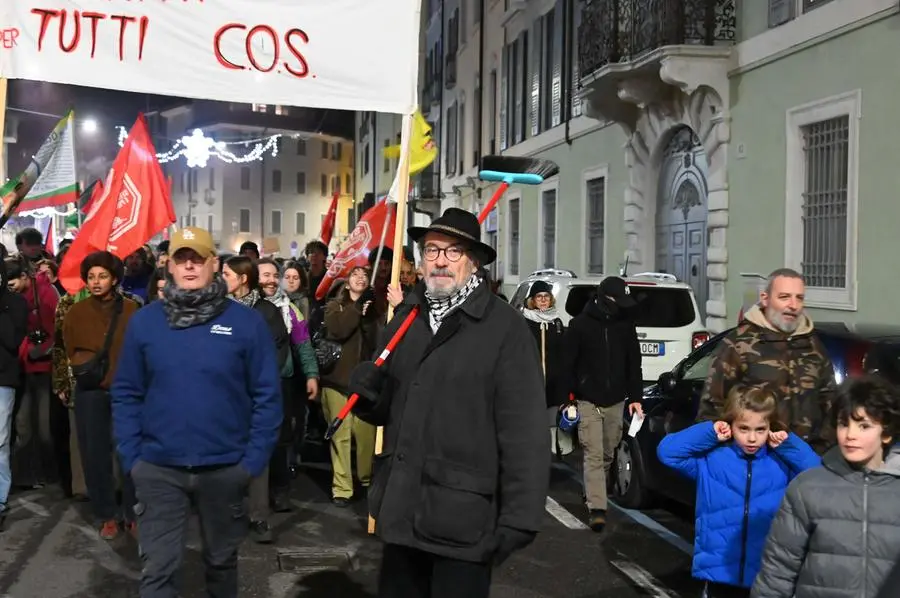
<point>197,149</point>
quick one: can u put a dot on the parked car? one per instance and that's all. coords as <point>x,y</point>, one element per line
<point>668,321</point>
<point>671,405</point>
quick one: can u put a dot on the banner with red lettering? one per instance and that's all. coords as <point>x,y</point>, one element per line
<point>364,239</point>
<point>315,53</point>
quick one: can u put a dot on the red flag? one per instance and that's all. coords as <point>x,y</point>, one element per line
<point>96,192</point>
<point>328,224</point>
<point>133,206</point>
<point>50,243</point>
<point>364,239</point>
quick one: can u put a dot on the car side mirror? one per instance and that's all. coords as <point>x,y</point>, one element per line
<point>667,382</point>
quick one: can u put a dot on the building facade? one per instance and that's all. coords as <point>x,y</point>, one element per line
<point>278,200</point>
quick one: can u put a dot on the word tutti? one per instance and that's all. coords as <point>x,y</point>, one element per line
<point>8,38</point>
<point>289,42</point>
<point>69,41</point>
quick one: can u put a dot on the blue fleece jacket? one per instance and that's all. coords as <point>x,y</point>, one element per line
<point>738,496</point>
<point>205,395</point>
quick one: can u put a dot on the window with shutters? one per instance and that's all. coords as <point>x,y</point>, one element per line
<point>276,181</point>
<point>504,95</point>
<point>300,223</point>
<point>275,222</point>
<point>461,142</point>
<point>576,73</point>
<point>534,106</point>
<point>821,202</point>
<point>555,89</point>
<point>513,236</point>
<point>477,123</point>
<point>244,220</point>
<point>452,132</point>
<point>547,62</point>
<point>547,258</point>
<point>595,198</point>
<point>245,178</point>
<point>301,183</point>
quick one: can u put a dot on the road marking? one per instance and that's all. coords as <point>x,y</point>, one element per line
<point>643,579</point>
<point>33,507</point>
<point>561,514</point>
<point>636,516</point>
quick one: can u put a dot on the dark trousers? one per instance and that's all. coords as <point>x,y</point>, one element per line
<point>164,498</point>
<point>719,590</point>
<point>40,436</point>
<point>407,572</point>
<point>93,422</point>
<point>279,471</point>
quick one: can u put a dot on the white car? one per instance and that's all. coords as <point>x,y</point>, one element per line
<point>669,325</point>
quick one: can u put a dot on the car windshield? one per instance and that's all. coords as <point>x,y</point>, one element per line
<point>658,307</point>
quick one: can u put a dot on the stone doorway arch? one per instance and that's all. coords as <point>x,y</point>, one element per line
<point>681,210</point>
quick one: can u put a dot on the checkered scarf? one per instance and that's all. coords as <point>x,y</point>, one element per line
<point>438,309</point>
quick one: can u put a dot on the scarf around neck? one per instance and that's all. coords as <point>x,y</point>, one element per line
<point>541,317</point>
<point>440,308</point>
<point>281,300</point>
<point>185,308</point>
<point>249,300</point>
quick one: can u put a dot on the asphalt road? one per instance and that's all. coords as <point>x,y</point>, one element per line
<point>48,550</point>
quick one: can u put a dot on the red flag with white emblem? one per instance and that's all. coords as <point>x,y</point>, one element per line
<point>365,238</point>
<point>134,206</point>
<point>330,218</point>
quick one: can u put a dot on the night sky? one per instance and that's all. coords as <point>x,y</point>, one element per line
<point>109,108</point>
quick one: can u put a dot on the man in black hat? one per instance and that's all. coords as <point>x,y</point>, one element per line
<point>462,481</point>
<point>602,365</point>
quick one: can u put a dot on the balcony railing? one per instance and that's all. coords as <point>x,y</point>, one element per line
<point>614,31</point>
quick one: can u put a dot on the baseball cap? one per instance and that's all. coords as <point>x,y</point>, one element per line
<point>615,287</point>
<point>191,237</point>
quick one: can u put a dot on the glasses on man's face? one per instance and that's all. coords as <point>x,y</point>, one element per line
<point>452,253</point>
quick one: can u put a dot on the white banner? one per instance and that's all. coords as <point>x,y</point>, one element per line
<point>341,54</point>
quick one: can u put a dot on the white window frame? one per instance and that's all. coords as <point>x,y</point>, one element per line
<point>551,184</point>
<point>508,277</point>
<point>280,222</point>
<point>249,220</point>
<point>846,104</point>
<point>594,172</point>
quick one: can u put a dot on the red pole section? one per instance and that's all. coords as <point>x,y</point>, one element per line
<point>501,189</point>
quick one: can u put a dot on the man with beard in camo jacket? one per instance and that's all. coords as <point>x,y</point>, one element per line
<point>776,347</point>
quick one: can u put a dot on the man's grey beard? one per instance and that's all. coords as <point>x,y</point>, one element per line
<point>778,321</point>
<point>441,292</point>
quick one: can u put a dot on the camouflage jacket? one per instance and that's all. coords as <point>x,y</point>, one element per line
<point>796,368</point>
<point>62,374</point>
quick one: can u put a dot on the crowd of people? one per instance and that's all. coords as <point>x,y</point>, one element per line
<point>182,377</point>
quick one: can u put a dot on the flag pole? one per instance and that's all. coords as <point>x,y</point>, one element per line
<point>4,84</point>
<point>399,231</point>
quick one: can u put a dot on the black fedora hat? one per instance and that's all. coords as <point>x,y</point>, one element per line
<point>462,225</point>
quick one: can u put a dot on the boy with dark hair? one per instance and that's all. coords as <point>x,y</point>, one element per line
<point>838,530</point>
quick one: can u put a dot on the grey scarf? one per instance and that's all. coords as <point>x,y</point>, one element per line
<point>185,308</point>
<point>283,303</point>
<point>249,300</point>
<point>439,308</point>
<point>541,317</point>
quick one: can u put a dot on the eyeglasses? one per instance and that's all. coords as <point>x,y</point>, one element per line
<point>452,253</point>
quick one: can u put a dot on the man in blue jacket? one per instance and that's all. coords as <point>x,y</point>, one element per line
<point>197,411</point>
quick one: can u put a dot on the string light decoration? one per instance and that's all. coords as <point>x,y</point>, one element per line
<point>197,149</point>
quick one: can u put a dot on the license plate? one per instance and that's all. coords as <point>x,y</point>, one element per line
<point>653,349</point>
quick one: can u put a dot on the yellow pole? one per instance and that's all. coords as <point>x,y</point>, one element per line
<point>402,193</point>
<point>3,87</point>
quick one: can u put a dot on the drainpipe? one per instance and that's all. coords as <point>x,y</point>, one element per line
<point>480,122</point>
<point>568,49</point>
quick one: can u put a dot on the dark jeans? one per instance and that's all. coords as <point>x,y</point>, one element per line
<point>40,436</point>
<point>93,420</point>
<point>407,572</point>
<point>164,498</point>
<point>718,590</point>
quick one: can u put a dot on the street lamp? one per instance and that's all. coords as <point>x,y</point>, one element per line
<point>89,126</point>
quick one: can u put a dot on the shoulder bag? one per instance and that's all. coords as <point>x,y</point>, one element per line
<point>90,375</point>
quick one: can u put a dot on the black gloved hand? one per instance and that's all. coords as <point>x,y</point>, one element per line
<point>509,540</point>
<point>368,380</point>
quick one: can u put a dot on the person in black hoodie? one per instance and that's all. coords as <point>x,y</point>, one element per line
<point>602,366</point>
<point>13,327</point>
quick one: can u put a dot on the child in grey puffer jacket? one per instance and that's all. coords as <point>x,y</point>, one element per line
<point>837,534</point>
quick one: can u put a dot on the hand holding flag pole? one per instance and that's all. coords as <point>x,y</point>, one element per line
<point>506,170</point>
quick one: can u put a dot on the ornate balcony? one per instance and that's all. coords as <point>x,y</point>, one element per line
<point>617,31</point>
<point>632,52</point>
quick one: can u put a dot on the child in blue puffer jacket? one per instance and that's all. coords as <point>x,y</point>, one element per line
<point>742,467</point>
